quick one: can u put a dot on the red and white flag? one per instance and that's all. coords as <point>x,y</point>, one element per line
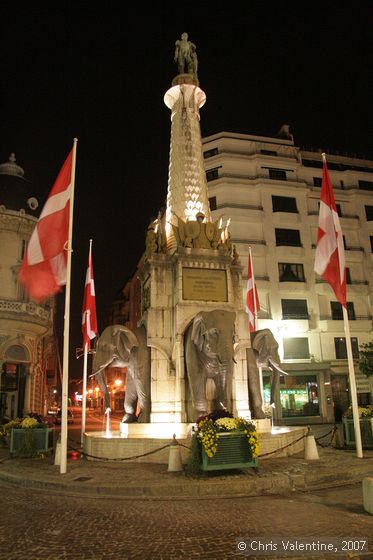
<point>89,317</point>
<point>43,270</point>
<point>252,300</point>
<point>330,257</point>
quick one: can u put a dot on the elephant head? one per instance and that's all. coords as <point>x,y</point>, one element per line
<point>113,348</point>
<point>118,346</point>
<point>264,349</point>
<point>209,354</point>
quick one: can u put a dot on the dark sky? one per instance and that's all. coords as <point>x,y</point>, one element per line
<point>100,74</point>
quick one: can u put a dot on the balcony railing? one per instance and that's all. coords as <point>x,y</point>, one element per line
<point>236,205</point>
<point>248,241</point>
<point>27,308</point>
<point>295,316</point>
<point>340,318</point>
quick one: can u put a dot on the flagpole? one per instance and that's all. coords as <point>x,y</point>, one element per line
<point>256,325</point>
<point>65,369</point>
<point>353,392</point>
<point>84,400</point>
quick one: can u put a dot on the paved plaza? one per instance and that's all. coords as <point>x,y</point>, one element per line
<point>44,525</point>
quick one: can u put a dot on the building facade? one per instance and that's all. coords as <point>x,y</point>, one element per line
<point>27,345</point>
<point>270,188</point>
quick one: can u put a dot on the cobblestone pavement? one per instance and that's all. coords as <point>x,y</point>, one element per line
<point>42,525</point>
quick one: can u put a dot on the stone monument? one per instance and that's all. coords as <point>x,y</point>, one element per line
<point>191,291</point>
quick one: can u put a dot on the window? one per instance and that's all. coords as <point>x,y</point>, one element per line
<point>338,206</point>
<point>317,181</point>
<point>294,309</point>
<point>212,202</point>
<point>369,213</point>
<point>348,276</point>
<point>212,174</point>
<point>289,237</point>
<point>341,350</point>
<point>289,272</point>
<point>268,152</point>
<point>300,396</point>
<point>210,153</point>
<point>286,204</point>
<point>371,242</point>
<point>337,312</point>
<point>23,248</point>
<point>277,174</point>
<point>296,348</point>
<point>366,185</point>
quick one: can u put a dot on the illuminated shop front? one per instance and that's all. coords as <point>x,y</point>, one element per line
<point>300,396</point>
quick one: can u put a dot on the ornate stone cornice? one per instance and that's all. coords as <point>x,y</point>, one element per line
<point>20,222</point>
<point>27,312</point>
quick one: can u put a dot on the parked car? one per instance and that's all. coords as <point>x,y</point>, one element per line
<point>70,416</point>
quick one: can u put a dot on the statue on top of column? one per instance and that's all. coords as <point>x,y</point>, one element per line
<point>186,56</point>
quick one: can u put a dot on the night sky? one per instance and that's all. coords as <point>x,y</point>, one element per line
<point>100,75</point>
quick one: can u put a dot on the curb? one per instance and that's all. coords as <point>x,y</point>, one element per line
<point>277,483</point>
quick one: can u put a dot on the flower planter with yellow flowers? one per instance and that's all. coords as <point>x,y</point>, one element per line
<point>29,438</point>
<point>227,443</point>
<point>366,427</point>
<point>232,452</point>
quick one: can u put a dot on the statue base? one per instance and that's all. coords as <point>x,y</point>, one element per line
<point>263,425</point>
<point>282,441</point>
<point>185,79</point>
<point>158,430</point>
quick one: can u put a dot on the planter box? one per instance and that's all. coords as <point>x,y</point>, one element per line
<point>233,453</point>
<point>366,429</point>
<point>26,442</point>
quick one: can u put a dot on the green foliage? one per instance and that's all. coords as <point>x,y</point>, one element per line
<point>366,359</point>
<point>363,412</point>
<point>193,466</point>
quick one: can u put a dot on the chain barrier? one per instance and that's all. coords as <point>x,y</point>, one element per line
<point>332,431</point>
<point>119,458</point>
<point>282,448</point>
<point>175,442</point>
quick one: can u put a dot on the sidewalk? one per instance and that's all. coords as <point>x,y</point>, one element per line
<point>334,467</point>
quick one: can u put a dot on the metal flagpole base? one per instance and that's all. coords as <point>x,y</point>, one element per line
<point>57,456</point>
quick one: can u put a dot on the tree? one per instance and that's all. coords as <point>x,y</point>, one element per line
<point>366,359</point>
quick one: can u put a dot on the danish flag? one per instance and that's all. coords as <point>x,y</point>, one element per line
<point>89,317</point>
<point>330,261</point>
<point>43,270</point>
<point>252,300</point>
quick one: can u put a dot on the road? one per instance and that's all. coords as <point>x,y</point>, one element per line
<point>95,421</point>
<point>41,525</point>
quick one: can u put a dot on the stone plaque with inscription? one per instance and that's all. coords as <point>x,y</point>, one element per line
<point>205,284</point>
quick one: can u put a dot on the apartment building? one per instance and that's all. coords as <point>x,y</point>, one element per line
<point>28,357</point>
<point>270,188</point>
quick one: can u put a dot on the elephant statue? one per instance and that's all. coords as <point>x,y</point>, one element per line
<point>208,343</point>
<point>118,346</point>
<point>263,353</point>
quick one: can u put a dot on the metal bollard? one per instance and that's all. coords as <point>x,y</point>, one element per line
<point>174,458</point>
<point>310,447</point>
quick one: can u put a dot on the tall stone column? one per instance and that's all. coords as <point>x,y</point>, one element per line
<point>187,186</point>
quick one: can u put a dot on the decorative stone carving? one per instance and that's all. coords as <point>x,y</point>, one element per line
<point>155,241</point>
<point>199,234</point>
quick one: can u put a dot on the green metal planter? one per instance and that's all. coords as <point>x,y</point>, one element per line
<point>366,429</point>
<point>233,452</point>
<point>27,442</point>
